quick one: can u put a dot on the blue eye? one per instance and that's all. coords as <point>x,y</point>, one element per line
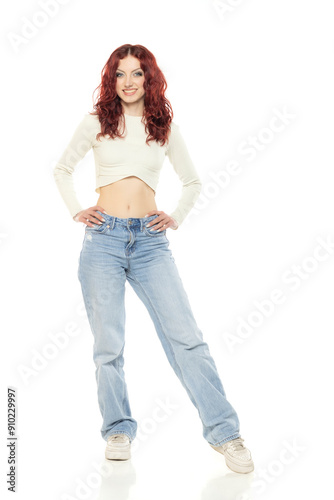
<point>138,73</point>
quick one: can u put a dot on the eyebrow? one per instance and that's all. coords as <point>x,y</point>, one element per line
<point>131,72</point>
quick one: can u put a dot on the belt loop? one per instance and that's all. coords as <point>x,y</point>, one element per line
<point>112,222</point>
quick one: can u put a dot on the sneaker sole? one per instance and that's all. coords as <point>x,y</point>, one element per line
<point>113,454</point>
<point>242,469</point>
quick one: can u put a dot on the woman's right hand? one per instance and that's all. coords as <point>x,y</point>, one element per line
<point>90,215</point>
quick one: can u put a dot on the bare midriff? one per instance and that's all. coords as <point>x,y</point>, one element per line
<point>128,197</point>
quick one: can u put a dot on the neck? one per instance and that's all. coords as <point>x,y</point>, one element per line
<point>136,109</point>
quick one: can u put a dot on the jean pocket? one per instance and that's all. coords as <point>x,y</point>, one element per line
<point>151,231</point>
<point>98,228</point>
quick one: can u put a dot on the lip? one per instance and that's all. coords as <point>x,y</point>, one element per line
<point>129,91</point>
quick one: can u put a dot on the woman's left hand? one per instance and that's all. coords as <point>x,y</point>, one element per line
<point>163,221</point>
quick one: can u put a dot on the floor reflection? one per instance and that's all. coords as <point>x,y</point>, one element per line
<point>119,480</point>
<point>231,486</point>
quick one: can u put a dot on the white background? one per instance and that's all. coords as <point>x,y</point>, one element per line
<point>230,68</point>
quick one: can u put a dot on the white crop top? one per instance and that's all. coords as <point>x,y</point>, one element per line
<point>123,157</point>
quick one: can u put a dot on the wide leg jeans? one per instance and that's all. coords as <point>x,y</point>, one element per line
<point>123,249</point>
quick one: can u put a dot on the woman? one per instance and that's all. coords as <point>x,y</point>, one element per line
<point>131,132</point>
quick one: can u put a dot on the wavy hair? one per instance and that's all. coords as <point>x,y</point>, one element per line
<point>158,112</point>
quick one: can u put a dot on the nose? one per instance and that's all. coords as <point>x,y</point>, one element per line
<point>128,81</point>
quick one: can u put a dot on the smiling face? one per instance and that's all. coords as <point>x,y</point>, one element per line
<point>130,85</point>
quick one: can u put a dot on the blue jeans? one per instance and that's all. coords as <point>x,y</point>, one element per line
<point>125,249</point>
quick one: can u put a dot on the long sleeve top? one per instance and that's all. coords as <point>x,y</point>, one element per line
<point>127,156</point>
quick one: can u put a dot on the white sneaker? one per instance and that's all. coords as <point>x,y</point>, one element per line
<point>118,447</point>
<point>237,457</point>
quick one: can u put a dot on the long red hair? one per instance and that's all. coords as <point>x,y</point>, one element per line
<point>158,112</point>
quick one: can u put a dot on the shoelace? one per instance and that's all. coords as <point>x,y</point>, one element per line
<point>237,444</point>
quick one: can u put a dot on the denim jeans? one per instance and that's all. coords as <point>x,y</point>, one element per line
<point>125,249</point>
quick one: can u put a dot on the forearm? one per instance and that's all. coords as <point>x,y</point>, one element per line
<point>64,182</point>
<point>189,196</point>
